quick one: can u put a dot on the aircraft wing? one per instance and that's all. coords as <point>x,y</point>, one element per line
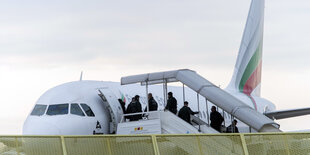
<point>282,114</point>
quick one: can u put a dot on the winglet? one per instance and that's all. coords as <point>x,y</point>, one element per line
<point>81,76</point>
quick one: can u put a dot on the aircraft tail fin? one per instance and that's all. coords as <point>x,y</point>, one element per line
<point>248,68</point>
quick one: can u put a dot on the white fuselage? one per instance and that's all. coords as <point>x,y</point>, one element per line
<point>53,119</point>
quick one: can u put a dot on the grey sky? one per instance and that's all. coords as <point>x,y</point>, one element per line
<point>117,29</point>
<point>46,43</point>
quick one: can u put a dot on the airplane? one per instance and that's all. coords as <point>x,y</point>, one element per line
<point>75,108</point>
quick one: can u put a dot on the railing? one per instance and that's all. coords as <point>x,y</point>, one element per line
<point>145,115</point>
<point>266,143</point>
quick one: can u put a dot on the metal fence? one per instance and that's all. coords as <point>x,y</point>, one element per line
<point>200,144</point>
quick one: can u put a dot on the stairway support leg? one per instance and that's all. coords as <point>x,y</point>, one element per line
<point>198,109</point>
<point>165,92</point>
<point>208,116</point>
<point>147,93</point>
<point>183,93</point>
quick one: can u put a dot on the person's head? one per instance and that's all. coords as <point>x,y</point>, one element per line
<point>133,99</point>
<point>170,94</point>
<point>137,97</point>
<point>213,109</point>
<point>150,96</point>
<point>235,122</point>
<point>186,103</point>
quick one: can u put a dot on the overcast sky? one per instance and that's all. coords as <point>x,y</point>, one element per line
<point>47,43</point>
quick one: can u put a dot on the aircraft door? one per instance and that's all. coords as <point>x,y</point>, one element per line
<point>112,104</point>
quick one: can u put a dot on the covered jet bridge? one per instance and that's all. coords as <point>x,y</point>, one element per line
<point>216,95</point>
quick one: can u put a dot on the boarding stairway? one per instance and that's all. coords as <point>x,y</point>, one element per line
<point>212,93</point>
<point>161,122</point>
<point>165,122</point>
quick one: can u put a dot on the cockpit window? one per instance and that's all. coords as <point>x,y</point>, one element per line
<point>76,110</point>
<point>38,110</point>
<point>87,110</point>
<point>57,109</point>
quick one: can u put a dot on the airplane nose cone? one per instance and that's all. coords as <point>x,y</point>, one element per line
<point>40,128</point>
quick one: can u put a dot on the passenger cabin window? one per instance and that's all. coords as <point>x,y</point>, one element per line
<point>38,110</point>
<point>76,110</point>
<point>57,109</point>
<point>87,110</point>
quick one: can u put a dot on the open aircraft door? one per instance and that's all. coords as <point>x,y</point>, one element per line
<point>111,103</point>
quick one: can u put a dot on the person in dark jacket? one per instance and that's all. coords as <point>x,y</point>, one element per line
<point>151,103</point>
<point>216,119</point>
<point>134,107</point>
<point>233,127</point>
<point>130,108</point>
<point>186,112</point>
<point>171,103</point>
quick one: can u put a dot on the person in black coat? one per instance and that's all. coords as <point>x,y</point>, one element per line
<point>151,103</point>
<point>171,103</point>
<point>186,112</point>
<point>130,108</point>
<point>216,119</point>
<point>134,107</point>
